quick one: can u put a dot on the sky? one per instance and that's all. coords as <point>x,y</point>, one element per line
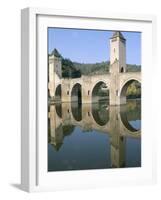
<point>91,46</point>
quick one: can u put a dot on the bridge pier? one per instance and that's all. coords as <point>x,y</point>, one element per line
<point>66,91</point>
<point>116,100</point>
<point>86,90</point>
<point>86,96</point>
<point>86,117</point>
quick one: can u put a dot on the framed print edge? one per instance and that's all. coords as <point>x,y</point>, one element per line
<point>30,169</point>
<point>28,99</point>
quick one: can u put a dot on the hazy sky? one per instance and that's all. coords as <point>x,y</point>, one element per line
<point>90,46</point>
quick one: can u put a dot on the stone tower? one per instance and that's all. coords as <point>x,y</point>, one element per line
<point>55,71</point>
<point>55,63</point>
<point>118,52</point>
<point>117,65</point>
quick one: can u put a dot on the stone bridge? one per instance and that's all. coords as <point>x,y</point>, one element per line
<point>116,80</point>
<point>117,85</point>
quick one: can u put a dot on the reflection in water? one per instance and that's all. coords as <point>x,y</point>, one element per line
<point>100,113</point>
<point>94,136</point>
<point>58,109</point>
<point>76,111</point>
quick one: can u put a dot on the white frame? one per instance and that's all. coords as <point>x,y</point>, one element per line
<point>30,111</point>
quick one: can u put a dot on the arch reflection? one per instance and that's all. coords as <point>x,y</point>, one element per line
<point>58,108</point>
<point>100,113</point>
<point>76,109</point>
<point>131,115</point>
<point>109,128</point>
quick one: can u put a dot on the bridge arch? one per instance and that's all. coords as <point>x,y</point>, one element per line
<point>100,90</point>
<point>124,87</point>
<point>76,93</point>
<point>58,92</point>
<point>76,100</point>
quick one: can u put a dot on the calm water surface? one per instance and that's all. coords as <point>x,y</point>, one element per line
<point>94,136</point>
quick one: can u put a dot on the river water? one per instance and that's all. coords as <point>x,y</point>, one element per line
<point>94,136</point>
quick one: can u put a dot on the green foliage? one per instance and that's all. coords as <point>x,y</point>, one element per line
<point>92,68</point>
<point>67,63</point>
<point>134,90</point>
<point>133,68</point>
<point>101,68</point>
<point>69,70</point>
